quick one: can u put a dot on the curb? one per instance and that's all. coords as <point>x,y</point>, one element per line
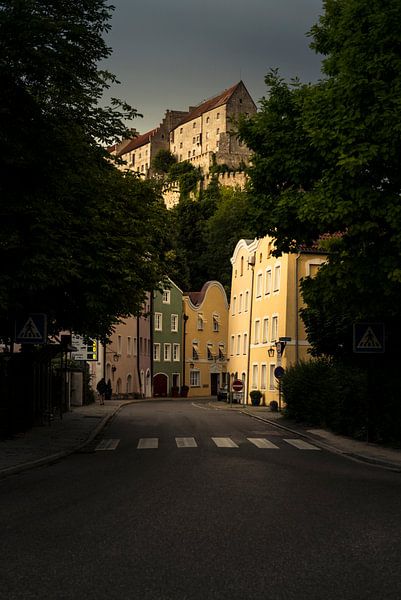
<point>375,462</point>
<point>51,458</point>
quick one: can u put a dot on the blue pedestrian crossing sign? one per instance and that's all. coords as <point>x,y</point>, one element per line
<point>369,338</point>
<point>31,329</point>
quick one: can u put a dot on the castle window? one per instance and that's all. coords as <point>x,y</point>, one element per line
<point>194,125</point>
<point>180,129</point>
<point>218,116</point>
<point>193,140</point>
<point>207,119</point>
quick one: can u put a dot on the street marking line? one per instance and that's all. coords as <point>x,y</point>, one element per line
<point>186,442</point>
<point>263,443</point>
<point>300,444</point>
<point>146,443</point>
<point>110,444</point>
<point>224,442</point>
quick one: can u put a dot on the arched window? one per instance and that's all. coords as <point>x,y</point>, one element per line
<point>129,384</point>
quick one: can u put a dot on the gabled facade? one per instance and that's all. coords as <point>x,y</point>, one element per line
<point>264,307</point>
<point>204,134</point>
<point>205,339</point>
<point>167,341</point>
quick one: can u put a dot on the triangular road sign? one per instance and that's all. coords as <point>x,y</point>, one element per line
<point>369,341</point>
<point>30,331</point>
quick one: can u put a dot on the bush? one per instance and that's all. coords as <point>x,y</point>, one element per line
<point>321,392</point>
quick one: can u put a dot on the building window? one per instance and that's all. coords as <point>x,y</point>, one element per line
<point>195,351</point>
<point>193,140</point>
<point>240,303</point>
<point>274,333</point>
<point>129,346</point>
<point>180,129</point>
<point>194,378</point>
<point>254,383</point>
<point>135,342</point>
<point>218,116</point>
<point>265,332</point>
<point>200,323</point>
<point>218,131</point>
<point>180,144</point>
<point>193,152</point>
<point>242,266</point>
<point>271,377</point>
<point>194,125</point>
<point>167,352</point>
<point>119,345</point>
<point>176,352</point>
<point>174,322</point>
<point>222,353</point>
<point>276,286</point>
<point>234,305</point>
<point>158,321</point>
<point>259,282</point>
<point>245,351</point>
<point>268,281</point>
<point>232,339</point>
<point>238,343</point>
<point>156,352</point>
<point>263,377</point>
<point>189,153</point>
<point>166,297</point>
<point>256,338</point>
<point>210,352</point>
<point>246,300</point>
<point>215,323</point>
<point>207,119</point>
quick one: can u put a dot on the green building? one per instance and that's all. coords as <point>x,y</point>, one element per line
<point>167,341</point>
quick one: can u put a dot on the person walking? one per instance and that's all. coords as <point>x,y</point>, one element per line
<point>101,388</point>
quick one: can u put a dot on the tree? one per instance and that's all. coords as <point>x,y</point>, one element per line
<point>79,240</point>
<point>327,161</point>
<point>163,160</point>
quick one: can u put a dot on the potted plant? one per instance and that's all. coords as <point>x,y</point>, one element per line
<point>273,406</point>
<point>184,391</point>
<point>256,396</point>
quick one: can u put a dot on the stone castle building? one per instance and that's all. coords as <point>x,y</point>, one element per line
<point>204,135</point>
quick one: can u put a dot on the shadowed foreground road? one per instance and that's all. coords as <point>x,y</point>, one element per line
<point>180,501</point>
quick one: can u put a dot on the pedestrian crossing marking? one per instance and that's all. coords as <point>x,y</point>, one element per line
<point>109,444</point>
<point>263,443</point>
<point>186,442</point>
<point>224,442</point>
<point>146,443</point>
<point>300,444</point>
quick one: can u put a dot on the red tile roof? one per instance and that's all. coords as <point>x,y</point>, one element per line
<point>210,104</point>
<point>137,142</point>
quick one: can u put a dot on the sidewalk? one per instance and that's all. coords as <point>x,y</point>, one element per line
<point>48,443</point>
<point>389,458</point>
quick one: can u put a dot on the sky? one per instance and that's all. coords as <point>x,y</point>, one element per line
<point>172,54</point>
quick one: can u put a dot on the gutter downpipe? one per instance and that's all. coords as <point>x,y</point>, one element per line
<point>297,309</point>
<point>251,262</point>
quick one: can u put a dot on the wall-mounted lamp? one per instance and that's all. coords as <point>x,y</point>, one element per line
<point>116,357</point>
<point>270,351</point>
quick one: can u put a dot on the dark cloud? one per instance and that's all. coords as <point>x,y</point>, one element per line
<point>173,53</point>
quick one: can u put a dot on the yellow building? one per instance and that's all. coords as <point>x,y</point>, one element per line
<point>205,337</point>
<point>264,307</point>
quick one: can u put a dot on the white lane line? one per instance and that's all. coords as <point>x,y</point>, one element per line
<point>107,444</point>
<point>186,442</point>
<point>145,443</point>
<point>301,445</point>
<point>263,443</point>
<point>224,442</point>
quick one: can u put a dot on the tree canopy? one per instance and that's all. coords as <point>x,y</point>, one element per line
<point>326,161</point>
<point>79,240</point>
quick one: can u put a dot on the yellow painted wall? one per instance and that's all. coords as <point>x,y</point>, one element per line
<point>200,334</point>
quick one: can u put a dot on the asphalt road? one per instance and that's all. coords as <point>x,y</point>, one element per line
<point>194,518</point>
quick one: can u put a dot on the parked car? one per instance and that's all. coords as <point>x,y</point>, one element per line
<point>222,393</point>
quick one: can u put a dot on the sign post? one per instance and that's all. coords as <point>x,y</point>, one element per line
<point>369,338</point>
<point>238,386</point>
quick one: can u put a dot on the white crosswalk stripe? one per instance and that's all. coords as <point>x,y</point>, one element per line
<point>107,444</point>
<point>146,443</point>
<point>263,443</point>
<point>186,442</point>
<point>300,444</point>
<point>224,442</point>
